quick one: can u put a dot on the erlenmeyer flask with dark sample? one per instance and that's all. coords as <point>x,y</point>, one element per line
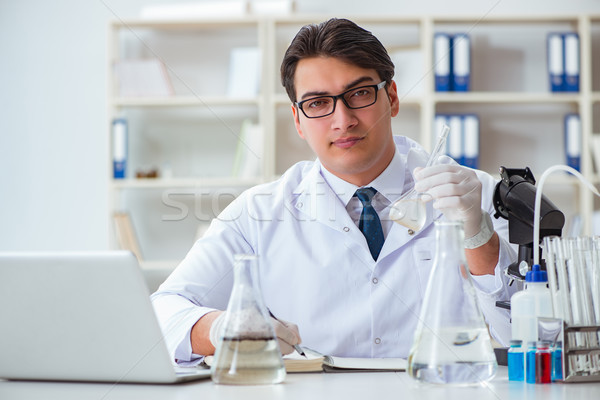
<point>248,352</point>
<point>452,344</point>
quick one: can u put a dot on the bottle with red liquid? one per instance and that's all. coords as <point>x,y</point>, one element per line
<point>543,362</point>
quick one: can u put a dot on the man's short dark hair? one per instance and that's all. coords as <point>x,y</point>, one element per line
<point>339,38</point>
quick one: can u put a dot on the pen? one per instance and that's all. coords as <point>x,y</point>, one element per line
<point>296,347</point>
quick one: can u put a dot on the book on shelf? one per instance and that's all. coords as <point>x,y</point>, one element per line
<point>271,7</point>
<point>470,156</point>
<point>119,148</point>
<point>247,162</point>
<point>194,10</point>
<point>461,62</point>
<point>443,61</point>
<point>125,233</point>
<point>143,78</point>
<point>409,69</point>
<point>571,53</point>
<point>573,141</point>
<point>563,61</point>
<point>452,58</point>
<point>317,362</point>
<point>463,140</point>
<point>596,151</point>
<point>244,72</point>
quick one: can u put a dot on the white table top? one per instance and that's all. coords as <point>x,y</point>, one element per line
<point>364,386</point>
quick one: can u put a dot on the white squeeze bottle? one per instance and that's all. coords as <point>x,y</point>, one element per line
<point>530,303</point>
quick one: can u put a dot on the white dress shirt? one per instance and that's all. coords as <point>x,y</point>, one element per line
<point>316,269</point>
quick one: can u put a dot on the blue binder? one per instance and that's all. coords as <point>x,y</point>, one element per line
<point>442,57</point>
<point>571,67</point>
<point>573,141</point>
<point>119,148</point>
<point>470,141</point>
<point>455,138</point>
<point>461,62</point>
<point>555,61</point>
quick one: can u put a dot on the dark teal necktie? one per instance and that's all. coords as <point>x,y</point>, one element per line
<point>369,223</point>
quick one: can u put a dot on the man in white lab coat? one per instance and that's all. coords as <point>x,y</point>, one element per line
<point>344,295</point>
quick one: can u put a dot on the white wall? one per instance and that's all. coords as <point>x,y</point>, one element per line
<point>53,146</point>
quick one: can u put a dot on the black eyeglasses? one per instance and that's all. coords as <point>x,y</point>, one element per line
<point>322,106</point>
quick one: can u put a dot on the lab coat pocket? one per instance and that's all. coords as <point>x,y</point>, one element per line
<point>423,253</point>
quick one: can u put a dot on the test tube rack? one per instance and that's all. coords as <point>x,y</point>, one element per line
<point>581,353</point>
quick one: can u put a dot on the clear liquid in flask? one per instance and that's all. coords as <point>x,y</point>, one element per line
<point>463,356</point>
<point>249,361</point>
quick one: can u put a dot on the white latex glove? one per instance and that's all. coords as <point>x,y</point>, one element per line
<point>286,332</point>
<point>456,192</point>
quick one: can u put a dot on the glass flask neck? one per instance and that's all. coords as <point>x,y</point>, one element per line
<point>450,237</point>
<point>245,270</point>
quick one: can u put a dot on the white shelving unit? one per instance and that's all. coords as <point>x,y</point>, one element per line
<point>197,129</point>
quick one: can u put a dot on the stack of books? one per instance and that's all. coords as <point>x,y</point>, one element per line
<point>563,61</point>
<point>452,55</point>
<point>463,140</point>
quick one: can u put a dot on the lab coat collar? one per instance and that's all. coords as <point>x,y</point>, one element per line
<point>389,183</point>
<point>316,200</point>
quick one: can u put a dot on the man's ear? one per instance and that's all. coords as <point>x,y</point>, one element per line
<point>393,96</point>
<point>296,114</point>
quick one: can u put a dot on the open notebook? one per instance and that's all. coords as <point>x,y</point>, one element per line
<point>316,362</point>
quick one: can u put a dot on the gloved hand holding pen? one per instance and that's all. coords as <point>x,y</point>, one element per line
<point>286,332</point>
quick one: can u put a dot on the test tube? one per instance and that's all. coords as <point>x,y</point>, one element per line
<point>543,362</point>
<point>530,363</point>
<point>516,361</point>
<point>557,373</point>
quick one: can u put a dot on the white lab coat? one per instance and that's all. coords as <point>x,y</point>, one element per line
<point>316,270</point>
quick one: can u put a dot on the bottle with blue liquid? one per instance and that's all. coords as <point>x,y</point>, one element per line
<point>557,373</point>
<point>516,361</point>
<point>530,362</point>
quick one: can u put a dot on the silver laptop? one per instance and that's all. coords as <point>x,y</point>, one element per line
<point>81,317</point>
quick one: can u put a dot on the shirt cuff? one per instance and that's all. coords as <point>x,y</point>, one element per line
<point>183,352</point>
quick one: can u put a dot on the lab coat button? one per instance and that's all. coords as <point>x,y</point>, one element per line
<point>346,229</point>
<point>377,340</point>
<point>411,232</point>
<point>375,280</point>
<point>299,205</point>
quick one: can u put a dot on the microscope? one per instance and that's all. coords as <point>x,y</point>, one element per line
<point>514,200</point>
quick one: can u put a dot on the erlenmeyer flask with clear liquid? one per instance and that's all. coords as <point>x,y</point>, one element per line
<point>451,344</point>
<point>410,209</point>
<point>248,352</point>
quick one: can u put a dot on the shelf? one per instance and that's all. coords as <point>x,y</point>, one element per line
<point>505,97</point>
<point>181,24</point>
<point>179,101</point>
<point>521,120</point>
<point>360,19</point>
<point>506,19</point>
<point>151,183</point>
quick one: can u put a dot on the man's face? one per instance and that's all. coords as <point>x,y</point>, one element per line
<point>353,144</point>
